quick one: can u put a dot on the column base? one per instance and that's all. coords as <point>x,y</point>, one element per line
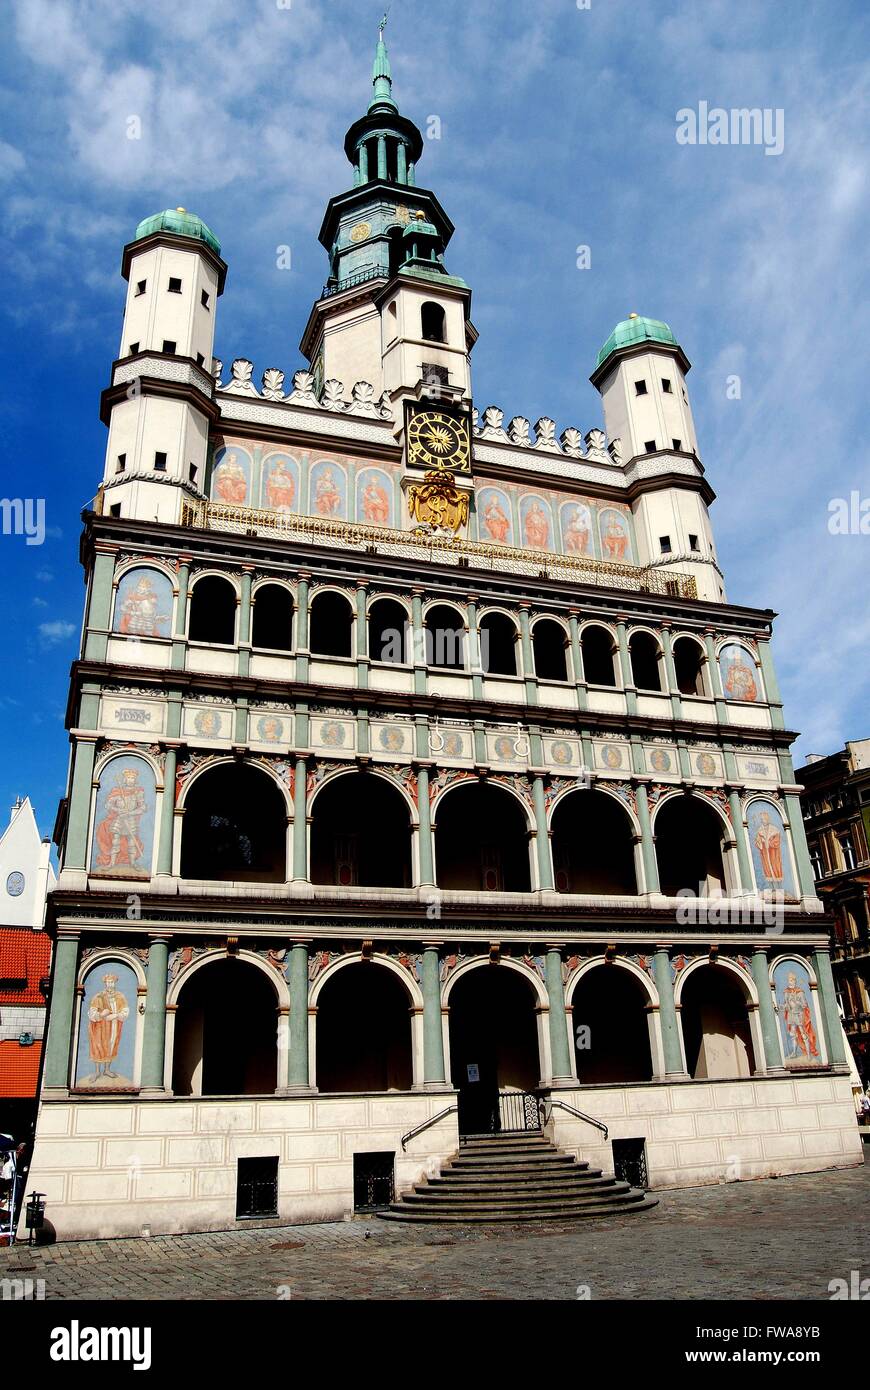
<point>154,1092</point>
<point>295,1090</point>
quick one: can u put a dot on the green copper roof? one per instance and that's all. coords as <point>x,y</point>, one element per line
<point>382,77</point>
<point>636,330</point>
<point>180,221</point>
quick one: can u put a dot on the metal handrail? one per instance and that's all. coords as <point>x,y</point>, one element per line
<point>432,1120</point>
<point>580,1115</point>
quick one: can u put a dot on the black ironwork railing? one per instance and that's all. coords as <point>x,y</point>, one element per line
<point>599,1124</point>
<point>432,1120</point>
<point>517,1111</point>
<point>629,1162</point>
<point>374,1183</point>
<point>377,273</point>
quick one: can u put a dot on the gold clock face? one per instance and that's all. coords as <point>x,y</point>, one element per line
<point>438,441</point>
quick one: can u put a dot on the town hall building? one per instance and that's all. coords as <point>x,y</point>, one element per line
<point>424,784</point>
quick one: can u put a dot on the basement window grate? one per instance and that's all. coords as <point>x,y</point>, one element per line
<point>374,1184</point>
<point>629,1162</point>
<point>256,1187</point>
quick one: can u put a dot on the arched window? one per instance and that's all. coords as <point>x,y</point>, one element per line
<point>213,611</point>
<point>331,625</point>
<point>593,845</point>
<point>715,1024</point>
<point>689,846</point>
<point>498,645</point>
<point>273,618</point>
<point>363,1031</point>
<point>235,827</point>
<point>598,654</point>
<point>360,834</point>
<point>211,1058</point>
<point>482,841</point>
<point>645,653</point>
<point>433,322</point>
<point>611,1027</point>
<point>689,659</point>
<point>548,643</point>
<point>445,638</point>
<point>388,631</point>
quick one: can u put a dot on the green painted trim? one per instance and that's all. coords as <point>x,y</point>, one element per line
<point>647,843</point>
<point>433,1037</point>
<point>670,1028</point>
<point>743,860</point>
<point>803,863</point>
<point>79,815</point>
<point>58,1046</point>
<point>821,960</point>
<point>767,1013</point>
<point>154,1021</point>
<point>300,820</point>
<point>297,1062</point>
<point>542,837</point>
<point>167,815</point>
<point>560,1046</point>
<point>100,607</point>
<point>424,832</point>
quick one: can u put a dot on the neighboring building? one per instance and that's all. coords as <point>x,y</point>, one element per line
<point>26,876</point>
<point>836,807</point>
<point>396,734</point>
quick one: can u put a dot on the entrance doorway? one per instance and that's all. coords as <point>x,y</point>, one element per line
<point>493,1047</point>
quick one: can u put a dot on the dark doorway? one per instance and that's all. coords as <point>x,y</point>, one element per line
<point>482,841</point>
<point>374,1184</point>
<point>331,628</point>
<point>213,611</point>
<point>273,618</point>
<point>364,1031</point>
<point>593,846</point>
<point>689,835</point>
<point>360,834</point>
<point>498,645</point>
<point>549,645</point>
<point>611,1033</point>
<point>226,1040</point>
<point>493,1043</point>
<point>598,653</point>
<point>235,827</point>
<point>256,1187</point>
<point>715,1023</point>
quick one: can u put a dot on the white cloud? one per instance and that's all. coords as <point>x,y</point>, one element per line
<point>54,632</point>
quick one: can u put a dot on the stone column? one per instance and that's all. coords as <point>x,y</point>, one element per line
<point>647,843</point>
<point>76,848</point>
<point>560,1044</point>
<point>529,672</point>
<point>61,1013</point>
<point>766,1011</point>
<point>300,821</point>
<point>433,1037</point>
<point>577,661</point>
<point>402,162</point>
<point>472,655</point>
<point>771,688</point>
<point>671,672</point>
<point>179,638</point>
<point>740,837</point>
<point>245,621</point>
<point>154,1022</point>
<point>167,813</point>
<point>363,163</point>
<point>382,156</point>
<point>297,1071</point>
<point>668,1015</point>
<point>542,835</point>
<point>302,655</point>
<point>362,646</point>
<point>821,959</point>
<point>625,668</point>
<point>418,642</point>
<point>424,813</point>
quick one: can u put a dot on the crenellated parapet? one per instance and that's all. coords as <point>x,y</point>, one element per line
<point>304,391</point>
<point>542,436</point>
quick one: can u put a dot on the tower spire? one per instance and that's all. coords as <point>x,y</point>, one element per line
<point>382,77</point>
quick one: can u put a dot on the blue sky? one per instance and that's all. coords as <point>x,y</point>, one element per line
<point>557,130</point>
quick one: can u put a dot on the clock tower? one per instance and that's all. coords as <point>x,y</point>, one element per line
<point>390,313</point>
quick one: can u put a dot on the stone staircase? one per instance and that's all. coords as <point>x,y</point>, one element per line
<point>516,1177</point>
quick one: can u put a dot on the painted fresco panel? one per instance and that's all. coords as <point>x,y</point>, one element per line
<point>124,819</point>
<point>797,1015</point>
<point>231,477</point>
<point>328,490</point>
<point>280,485</point>
<point>143,603</point>
<point>739,674</point>
<point>494,516</point>
<point>768,842</point>
<point>374,497</point>
<point>105,1058</point>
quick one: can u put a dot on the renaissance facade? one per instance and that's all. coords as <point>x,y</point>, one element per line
<point>418,763</point>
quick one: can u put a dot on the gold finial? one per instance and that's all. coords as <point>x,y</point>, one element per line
<point>181,209</point>
<point>632,316</point>
<point>420,215</point>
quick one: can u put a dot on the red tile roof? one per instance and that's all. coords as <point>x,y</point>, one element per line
<point>25,959</point>
<point>19,1069</point>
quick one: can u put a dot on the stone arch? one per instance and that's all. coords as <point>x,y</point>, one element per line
<point>133,751</point>
<point>282,989</point>
<point>334,641</point>
<point>410,983</point>
<point>240,834</point>
<point>646,654</point>
<point>223,621</point>
<point>386,1055</point>
<point>496,1018</point>
<point>365,837</point>
<point>374,771</point>
<point>718,1042</point>
<point>599,652</point>
<point>105,954</point>
<point>667,857</point>
<point>594,841</point>
<point>742,977</point>
<point>224,760</point>
<point>619,962</point>
<point>200,1059</point>
<point>483,841</point>
<point>615,1022</point>
<point>506,962</point>
<point>684,671</point>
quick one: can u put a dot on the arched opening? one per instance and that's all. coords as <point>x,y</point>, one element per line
<point>548,644</point>
<point>388,631</point>
<point>481,841</point>
<point>331,632</point>
<point>715,1023</point>
<point>213,611</point>
<point>433,323</point>
<point>611,1027</point>
<point>689,659</point>
<point>272,625</point>
<point>592,845</point>
<point>363,1031</point>
<point>226,1032</point>
<point>360,834</point>
<point>645,653</point>
<point>235,827</point>
<point>498,645</point>
<point>445,638</point>
<point>598,652</point>
<point>493,1042</point>
<point>689,846</point>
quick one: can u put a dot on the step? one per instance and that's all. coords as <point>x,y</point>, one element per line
<point>513,1172</point>
<point>462,1189</point>
<point>399,1212</point>
<point>534,1139</point>
<point>450,1195</point>
<point>516,1199</point>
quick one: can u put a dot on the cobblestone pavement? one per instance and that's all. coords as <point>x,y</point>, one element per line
<point>773,1239</point>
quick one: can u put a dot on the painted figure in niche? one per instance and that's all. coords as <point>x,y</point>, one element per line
<point>768,842</point>
<point>453,745</point>
<point>706,764</point>
<point>327,495</point>
<point>392,739</point>
<point>141,596</point>
<point>107,1014</point>
<point>280,486</point>
<point>577,529</point>
<point>660,760</point>
<point>496,521</point>
<point>793,995</point>
<point>536,527</point>
<point>118,840</point>
<point>231,481</point>
<point>769,849</point>
<point>375,502</point>
<point>562,753</point>
<point>614,536</point>
<point>610,756</point>
<point>333,734</point>
<point>504,749</point>
<point>738,675</point>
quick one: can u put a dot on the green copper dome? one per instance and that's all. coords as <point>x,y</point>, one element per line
<point>635,330</point>
<point>180,221</point>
